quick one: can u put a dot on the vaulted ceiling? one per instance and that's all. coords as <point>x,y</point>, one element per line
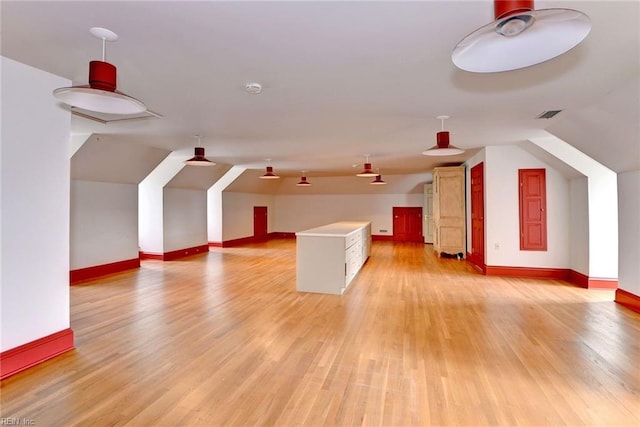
<point>340,79</point>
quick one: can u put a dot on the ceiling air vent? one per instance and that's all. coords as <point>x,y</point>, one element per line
<point>548,114</point>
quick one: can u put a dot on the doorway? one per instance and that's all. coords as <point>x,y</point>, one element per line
<point>260,222</point>
<point>407,224</point>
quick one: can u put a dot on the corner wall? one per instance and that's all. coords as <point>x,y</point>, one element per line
<point>629,226</point>
<point>502,211</point>
<point>104,223</point>
<point>34,201</point>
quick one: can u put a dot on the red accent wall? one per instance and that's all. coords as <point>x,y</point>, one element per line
<point>30,354</point>
<point>89,273</point>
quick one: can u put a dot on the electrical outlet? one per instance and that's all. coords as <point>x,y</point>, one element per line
<point>496,246</point>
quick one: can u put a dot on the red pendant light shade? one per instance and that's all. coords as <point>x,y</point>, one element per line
<point>520,37</point>
<point>442,139</point>
<point>100,95</point>
<point>442,147</point>
<point>367,171</point>
<point>199,159</point>
<point>303,181</point>
<point>378,181</point>
<point>102,75</point>
<point>269,174</point>
<point>503,8</point>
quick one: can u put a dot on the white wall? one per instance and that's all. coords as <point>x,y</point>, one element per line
<point>214,203</point>
<point>579,225</point>
<point>185,218</point>
<point>296,213</point>
<point>603,205</point>
<point>104,223</point>
<point>34,256</point>
<point>237,214</point>
<point>629,226</point>
<point>502,212</point>
<point>150,218</point>
<point>603,224</point>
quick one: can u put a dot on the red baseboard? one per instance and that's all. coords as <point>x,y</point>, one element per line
<point>173,255</point>
<point>215,244</point>
<point>531,272</point>
<point>381,238</point>
<point>89,273</point>
<point>587,282</point>
<point>571,276</point>
<point>629,300</point>
<point>282,235</point>
<point>30,354</point>
<point>239,242</point>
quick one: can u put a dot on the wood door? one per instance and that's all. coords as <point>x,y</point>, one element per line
<point>533,209</point>
<point>477,215</point>
<point>407,224</point>
<point>260,222</point>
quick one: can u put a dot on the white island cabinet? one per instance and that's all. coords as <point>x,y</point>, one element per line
<point>329,257</point>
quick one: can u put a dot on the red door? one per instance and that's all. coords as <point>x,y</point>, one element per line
<point>407,224</point>
<point>477,215</point>
<point>533,209</point>
<point>260,222</point>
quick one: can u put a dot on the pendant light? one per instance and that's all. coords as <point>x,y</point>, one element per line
<point>100,95</point>
<point>269,172</point>
<point>520,37</point>
<point>199,159</point>
<point>443,148</point>
<point>303,181</point>
<point>378,180</point>
<point>367,172</point>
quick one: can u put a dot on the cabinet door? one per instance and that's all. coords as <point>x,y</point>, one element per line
<point>449,210</point>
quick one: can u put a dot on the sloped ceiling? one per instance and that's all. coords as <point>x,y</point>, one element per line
<point>609,130</point>
<point>104,158</point>
<point>198,177</point>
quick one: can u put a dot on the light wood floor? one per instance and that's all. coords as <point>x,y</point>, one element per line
<point>225,339</point>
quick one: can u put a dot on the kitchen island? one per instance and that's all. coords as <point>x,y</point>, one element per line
<point>329,257</point>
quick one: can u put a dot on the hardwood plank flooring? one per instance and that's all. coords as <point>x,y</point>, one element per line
<point>225,339</point>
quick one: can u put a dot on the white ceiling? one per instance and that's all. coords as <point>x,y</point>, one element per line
<point>341,79</point>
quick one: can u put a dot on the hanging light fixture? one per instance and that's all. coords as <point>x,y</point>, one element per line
<point>443,148</point>
<point>303,181</point>
<point>378,180</point>
<point>269,172</point>
<point>520,37</point>
<point>199,159</point>
<point>100,95</point>
<point>367,172</point>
